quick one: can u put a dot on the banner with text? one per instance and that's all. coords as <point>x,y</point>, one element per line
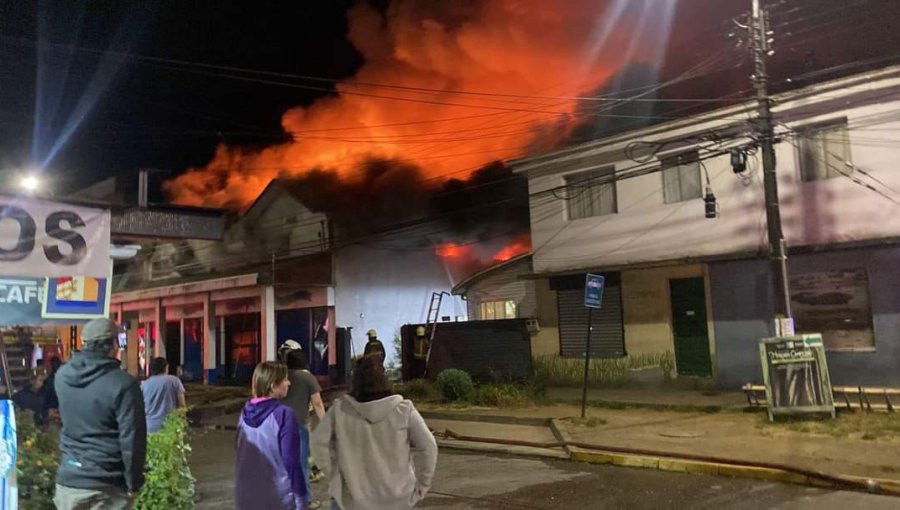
<point>42,238</point>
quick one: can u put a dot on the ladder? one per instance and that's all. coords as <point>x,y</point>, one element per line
<point>431,321</point>
<point>15,365</point>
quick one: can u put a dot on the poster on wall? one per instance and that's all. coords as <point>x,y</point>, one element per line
<point>836,304</point>
<point>796,375</point>
<point>76,297</point>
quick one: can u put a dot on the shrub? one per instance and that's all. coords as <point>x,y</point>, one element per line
<point>420,389</point>
<point>455,384</point>
<point>169,483</point>
<point>499,395</point>
<point>36,463</point>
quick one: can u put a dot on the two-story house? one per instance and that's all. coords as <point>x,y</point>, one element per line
<point>700,290</point>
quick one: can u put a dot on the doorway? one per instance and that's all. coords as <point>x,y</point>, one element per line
<point>173,346</point>
<point>689,327</point>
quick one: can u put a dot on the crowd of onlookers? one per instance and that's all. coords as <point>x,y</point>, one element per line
<point>373,445</point>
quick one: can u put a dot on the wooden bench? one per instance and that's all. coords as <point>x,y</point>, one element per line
<point>849,397</point>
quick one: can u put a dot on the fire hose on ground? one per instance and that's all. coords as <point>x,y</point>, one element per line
<point>833,481</point>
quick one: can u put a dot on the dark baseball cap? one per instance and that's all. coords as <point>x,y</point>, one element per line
<point>99,332</point>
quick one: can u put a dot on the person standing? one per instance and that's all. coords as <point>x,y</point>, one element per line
<point>267,462</point>
<point>33,396</point>
<point>304,390</point>
<point>162,393</point>
<point>374,347</point>
<point>103,441</point>
<point>51,400</point>
<point>381,453</point>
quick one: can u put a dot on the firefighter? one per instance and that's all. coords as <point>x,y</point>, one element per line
<point>374,347</point>
<point>421,344</point>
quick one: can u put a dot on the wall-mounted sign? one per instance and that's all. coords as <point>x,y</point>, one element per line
<point>796,375</point>
<point>41,238</point>
<point>836,304</point>
<point>76,297</point>
<point>20,301</point>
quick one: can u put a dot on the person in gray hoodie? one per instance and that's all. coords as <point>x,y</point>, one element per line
<point>374,446</point>
<point>103,441</point>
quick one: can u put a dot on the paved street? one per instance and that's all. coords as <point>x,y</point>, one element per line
<point>496,482</point>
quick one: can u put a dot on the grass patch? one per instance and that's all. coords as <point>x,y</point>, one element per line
<point>860,425</point>
<point>682,408</point>
<point>419,390</point>
<point>559,371</point>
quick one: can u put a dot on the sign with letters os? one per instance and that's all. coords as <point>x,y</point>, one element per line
<point>42,238</point>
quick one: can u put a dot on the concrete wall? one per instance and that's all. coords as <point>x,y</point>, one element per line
<point>647,309</point>
<point>743,306</point>
<point>384,290</point>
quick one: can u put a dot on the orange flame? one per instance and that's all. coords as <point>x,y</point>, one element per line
<point>514,249</point>
<point>527,63</point>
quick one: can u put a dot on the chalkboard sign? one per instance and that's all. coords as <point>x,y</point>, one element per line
<point>796,375</point>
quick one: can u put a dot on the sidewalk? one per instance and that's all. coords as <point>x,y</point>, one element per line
<point>857,445</point>
<point>662,398</point>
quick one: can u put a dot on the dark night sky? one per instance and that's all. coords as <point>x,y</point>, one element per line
<point>149,116</point>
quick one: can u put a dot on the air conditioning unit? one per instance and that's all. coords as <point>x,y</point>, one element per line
<point>533,326</point>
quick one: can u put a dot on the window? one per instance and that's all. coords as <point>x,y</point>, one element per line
<point>835,304</point>
<point>504,309</point>
<point>681,177</point>
<point>591,193</point>
<point>824,151</point>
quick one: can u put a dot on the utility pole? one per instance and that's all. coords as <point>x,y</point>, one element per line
<point>759,43</point>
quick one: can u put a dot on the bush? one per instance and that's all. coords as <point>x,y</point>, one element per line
<point>499,395</point>
<point>169,483</point>
<point>420,389</point>
<point>455,384</point>
<point>36,463</point>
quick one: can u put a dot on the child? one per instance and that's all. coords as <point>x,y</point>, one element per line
<point>267,465</point>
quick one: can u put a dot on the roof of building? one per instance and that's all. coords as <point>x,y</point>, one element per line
<point>461,287</point>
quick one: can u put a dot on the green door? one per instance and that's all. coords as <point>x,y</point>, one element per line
<point>689,327</point>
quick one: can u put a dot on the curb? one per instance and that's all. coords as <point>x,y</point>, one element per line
<point>519,451</point>
<point>486,418</point>
<point>690,466</point>
<point>681,408</point>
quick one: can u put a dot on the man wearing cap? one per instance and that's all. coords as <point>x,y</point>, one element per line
<point>374,347</point>
<point>103,441</point>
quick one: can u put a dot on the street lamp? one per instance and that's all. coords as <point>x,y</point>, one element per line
<point>30,183</point>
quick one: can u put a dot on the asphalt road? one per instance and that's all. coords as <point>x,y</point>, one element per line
<point>471,481</point>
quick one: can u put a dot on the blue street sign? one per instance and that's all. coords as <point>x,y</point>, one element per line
<point>593,290</point>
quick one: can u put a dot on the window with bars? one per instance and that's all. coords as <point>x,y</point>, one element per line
<point>681,177</point>
<point>824,151</point>
<point>500,309</point>
<point>591,193</point>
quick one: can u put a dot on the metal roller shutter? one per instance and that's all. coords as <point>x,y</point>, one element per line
<point>608,335</point>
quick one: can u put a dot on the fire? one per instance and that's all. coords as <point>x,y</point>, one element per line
<point>452,250</point>
<point>514,249</point>
<point>526,61</point>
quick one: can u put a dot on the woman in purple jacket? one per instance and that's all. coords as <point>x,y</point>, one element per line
<point>267,466</point>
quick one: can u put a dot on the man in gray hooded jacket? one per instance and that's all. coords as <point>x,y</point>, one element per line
<point>103,441</point>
